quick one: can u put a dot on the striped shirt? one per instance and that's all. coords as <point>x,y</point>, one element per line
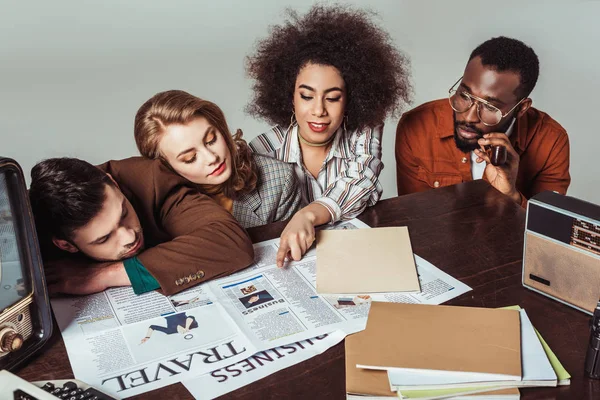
<point>348,181</point>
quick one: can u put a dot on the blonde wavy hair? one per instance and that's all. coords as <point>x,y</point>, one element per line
<point>179,107</point>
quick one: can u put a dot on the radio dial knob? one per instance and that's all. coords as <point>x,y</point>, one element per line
<point>11,341</point>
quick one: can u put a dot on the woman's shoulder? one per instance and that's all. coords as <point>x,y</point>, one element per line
<point>376,130</point>
<point>361,139</point>
<point>270,168</point>
<point>268,142</point>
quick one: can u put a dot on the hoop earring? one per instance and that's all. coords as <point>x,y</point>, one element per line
<point>293,120</point>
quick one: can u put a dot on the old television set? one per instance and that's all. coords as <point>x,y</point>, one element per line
<point>25,318</point>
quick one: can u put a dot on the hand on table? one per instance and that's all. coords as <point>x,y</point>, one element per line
<point>297,237</point>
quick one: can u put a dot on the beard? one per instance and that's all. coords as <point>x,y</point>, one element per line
<point>464,145</point>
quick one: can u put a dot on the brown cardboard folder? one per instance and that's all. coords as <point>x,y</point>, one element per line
<point>440,338</point>
<point>375,383</point>
<point>366,261</point>
<point>364,381</point>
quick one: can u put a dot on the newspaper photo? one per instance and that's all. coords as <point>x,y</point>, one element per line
<point>127,344</point>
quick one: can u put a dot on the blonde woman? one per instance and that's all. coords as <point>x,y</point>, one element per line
<point>191,136</point>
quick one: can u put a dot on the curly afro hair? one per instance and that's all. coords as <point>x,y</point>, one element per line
<point>506,54</point>
<point>375,72</point>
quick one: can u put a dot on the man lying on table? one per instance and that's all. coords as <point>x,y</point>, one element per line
<point>444,142</point>
<point>130,222</point>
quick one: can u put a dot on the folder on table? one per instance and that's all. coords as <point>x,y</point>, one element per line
<point>540,367</point>
<point>536,367</point>
<point>366,383</point>
<point>479,344</point>
<point>373,260</point>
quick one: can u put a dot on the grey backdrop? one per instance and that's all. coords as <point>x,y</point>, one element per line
<point>73,73</point>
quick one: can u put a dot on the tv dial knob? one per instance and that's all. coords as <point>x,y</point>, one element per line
<point>10,340</point>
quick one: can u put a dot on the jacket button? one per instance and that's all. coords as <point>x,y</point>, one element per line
<point>200,274</point>
<point>436,184</point>
<point>464,160</point>
<point>179,282</point>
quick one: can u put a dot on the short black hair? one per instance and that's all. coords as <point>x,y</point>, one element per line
<point>376,73</point>
<point>66,194</point>
<point>506,54</point>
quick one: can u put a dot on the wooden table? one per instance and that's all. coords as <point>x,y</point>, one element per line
<point>470,231</point>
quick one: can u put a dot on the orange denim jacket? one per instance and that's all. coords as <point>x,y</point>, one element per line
<point>427,157</point>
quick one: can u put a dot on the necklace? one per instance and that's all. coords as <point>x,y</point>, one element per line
<point>312,144</point>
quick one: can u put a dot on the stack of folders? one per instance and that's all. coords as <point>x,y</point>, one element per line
<point>414,351</point>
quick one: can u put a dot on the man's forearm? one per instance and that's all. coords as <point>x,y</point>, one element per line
<point>114,274</point>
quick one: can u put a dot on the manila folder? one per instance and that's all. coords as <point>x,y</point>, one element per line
<point>441,338</point>
<point>366,261</point>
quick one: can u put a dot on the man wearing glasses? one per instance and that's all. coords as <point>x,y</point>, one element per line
<point>448,141</point>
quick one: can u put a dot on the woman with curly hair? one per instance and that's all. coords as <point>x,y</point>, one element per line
<point>191,135</point>
<point>333,76</point>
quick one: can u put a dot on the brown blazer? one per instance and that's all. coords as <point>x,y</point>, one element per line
<point>189,238</point>
<point>427,157</point>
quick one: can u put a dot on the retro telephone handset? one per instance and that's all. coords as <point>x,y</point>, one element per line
<point>592,356</point>
<point>498,155</point>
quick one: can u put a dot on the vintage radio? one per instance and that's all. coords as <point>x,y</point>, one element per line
<point>25,319</point>
<point>562,250</point>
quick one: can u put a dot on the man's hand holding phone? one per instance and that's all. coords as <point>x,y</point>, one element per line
<point>502,177</point>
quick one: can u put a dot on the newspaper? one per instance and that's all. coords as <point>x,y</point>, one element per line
<point>106,336</point>
<point>127,344</point>
<point>260,365</point>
